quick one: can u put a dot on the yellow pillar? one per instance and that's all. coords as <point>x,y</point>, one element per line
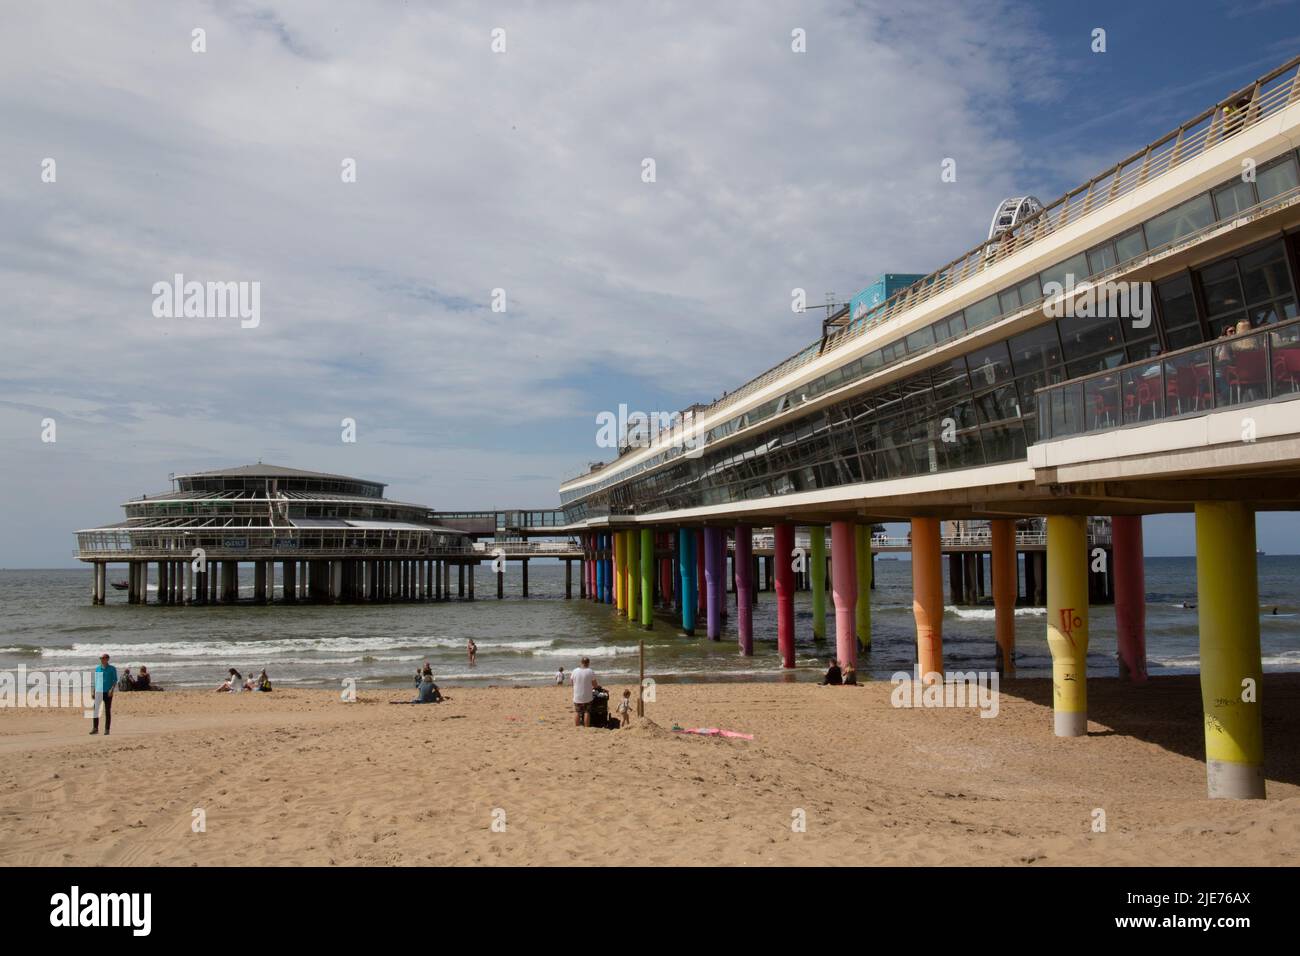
<point>862,554</point>
<point>633,551</point>
<point>1067,621</point>
<point>620,556</point>
<point>1231,670</point>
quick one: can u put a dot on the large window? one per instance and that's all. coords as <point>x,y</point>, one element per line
<point>1178,309</point>
<point>1180,221</point>
<point>1276,178</point>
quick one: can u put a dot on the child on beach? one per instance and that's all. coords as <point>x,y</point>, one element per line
<point>625,708</point>
<point>559,677</point>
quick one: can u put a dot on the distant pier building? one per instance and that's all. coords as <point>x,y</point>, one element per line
<point>335,538</point>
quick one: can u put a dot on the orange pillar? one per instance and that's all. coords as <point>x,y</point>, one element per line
<point>927,596</point>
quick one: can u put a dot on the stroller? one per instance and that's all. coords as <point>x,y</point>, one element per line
<point>600,710</point>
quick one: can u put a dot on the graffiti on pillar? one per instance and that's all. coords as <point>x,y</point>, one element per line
<point>1070,621</point>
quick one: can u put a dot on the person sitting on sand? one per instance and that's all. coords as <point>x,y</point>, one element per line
<point>850,676</point>
<point>127,682</point>
<point>234,683</point>
<point>833,677</point>
<point>251,683</point>
<point>144,680</point>
<point>428,692</point>
<point>263,682</point>
<point>625,708</point>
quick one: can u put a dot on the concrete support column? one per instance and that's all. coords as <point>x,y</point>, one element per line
<point>336,580</point>
<point>666,589</point>
<point>231,576</point>
<point>864,566</point>
<point>817,576</point>
<point>620,600</point>
<point>568,578</point>
<point>164,584</point>
<point>600,579</point>
<point>970,591</point>
<point>783,548</point>
<point>686,553</point>
<point>460,580</point>
<point>1129,577</point>
<point>259,582</point>
<point>1227,588</point>
<point>471,579</point>
<point>713,581</point>
<point>632,583</point>
<point>1067,621</point>
<point>745,588</point>
<point>424,579</point>
<point>701,553</point>
<point>927,597</point>
<point>1006,585</point>
<point>523,568</point>
<point>501,580</point>
<point>844,572</point>
<point>646,565</point>
<point>1040,577</point>
<point>956,579</point>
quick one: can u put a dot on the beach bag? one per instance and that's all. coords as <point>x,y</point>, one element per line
<point>613,723</point>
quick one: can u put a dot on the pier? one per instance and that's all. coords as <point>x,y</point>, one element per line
<point>1003,392</point>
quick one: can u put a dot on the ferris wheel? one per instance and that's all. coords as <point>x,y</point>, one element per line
<point>1012,212</point>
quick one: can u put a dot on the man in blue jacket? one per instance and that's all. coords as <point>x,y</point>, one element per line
<point>105,684</point>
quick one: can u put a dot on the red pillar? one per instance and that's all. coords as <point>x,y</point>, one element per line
<point>783,548</point>
<point>1130,596</point>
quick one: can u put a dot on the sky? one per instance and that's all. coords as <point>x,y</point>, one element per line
<point>512,177</point>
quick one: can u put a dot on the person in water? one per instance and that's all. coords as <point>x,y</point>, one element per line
<point>473,652</point>
<point>833,676</point>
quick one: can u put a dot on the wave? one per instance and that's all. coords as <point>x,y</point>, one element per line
<point>988,613</point>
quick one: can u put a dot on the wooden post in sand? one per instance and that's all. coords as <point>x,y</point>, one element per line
<point>640,690</point>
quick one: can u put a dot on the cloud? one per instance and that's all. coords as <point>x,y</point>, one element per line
<point>476,171</point>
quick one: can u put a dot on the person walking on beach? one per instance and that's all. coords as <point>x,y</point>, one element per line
<point>583,679</point>
<point>105,684</point>
<point>559,677</point>
<point>625,709</point>
<point>473,652</point>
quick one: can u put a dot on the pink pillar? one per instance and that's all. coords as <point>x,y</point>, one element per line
<point>783,550</point>
<point>844,582</point>
<point>744,588</point>
<point>1130,596</point>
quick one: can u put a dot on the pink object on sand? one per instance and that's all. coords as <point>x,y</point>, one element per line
<point>714,732</point>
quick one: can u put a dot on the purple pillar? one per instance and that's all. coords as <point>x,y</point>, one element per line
<point>744,588</point>
<point>713,577</point>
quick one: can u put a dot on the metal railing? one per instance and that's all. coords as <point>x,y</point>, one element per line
<point>1241,110</point>
<point>1242,369</point>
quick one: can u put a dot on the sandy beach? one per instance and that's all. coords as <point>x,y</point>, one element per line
<point>300,777</point>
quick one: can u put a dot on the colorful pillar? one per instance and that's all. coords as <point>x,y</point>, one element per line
<point>783,548</point>
<point>1231,669</point>
<point>1006,585</point>
<point>620,563</point>
<point>666,574</point>
<point>844,581</point>
<point>713,584</point>
<point>817,554</point>
<point>1129,576</point>
<point>1067,621</point>
<point>647,578</point>
<point>632,584</point>
<point>865,568</point>
<point>609,568</point>
<point>686,562</point>
<point>745,588</point>
<point>927,597</point>
<point>701,553</point>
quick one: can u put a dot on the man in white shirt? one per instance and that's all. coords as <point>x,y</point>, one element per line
<point>584,680</point>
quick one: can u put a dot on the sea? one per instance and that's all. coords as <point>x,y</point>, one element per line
<point>48,623</point>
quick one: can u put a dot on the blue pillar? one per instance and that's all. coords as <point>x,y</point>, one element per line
<point>686,560</point>
<point>713,581</point>
<point>609,569</point>
<point>599,594</point>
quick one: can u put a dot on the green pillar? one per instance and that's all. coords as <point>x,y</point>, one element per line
<point>862,555</point>
<point>647,578</point>
<point>818,560</point>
